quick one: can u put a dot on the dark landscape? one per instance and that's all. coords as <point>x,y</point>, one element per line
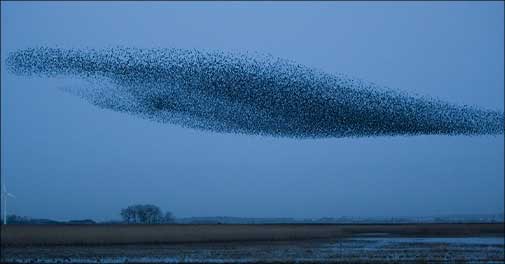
<point>267,243</point>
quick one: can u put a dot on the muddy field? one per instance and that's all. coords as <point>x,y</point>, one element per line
<point>476,243</point>
<point>361,249</point>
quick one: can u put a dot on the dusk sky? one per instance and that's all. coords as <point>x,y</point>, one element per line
<point>66,159</point>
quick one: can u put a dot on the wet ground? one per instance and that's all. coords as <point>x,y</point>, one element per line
<point>360,249</point>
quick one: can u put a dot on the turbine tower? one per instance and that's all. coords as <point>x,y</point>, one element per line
<point>5,195</point>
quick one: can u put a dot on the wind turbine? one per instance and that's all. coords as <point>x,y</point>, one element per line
<point>6,194</point>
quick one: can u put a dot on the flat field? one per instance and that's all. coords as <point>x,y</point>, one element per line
<point>19,235</point>
<point>412,243</point>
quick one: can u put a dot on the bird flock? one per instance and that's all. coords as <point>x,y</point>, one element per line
<point>248,94</point>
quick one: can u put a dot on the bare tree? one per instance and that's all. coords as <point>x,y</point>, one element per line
<point>143,214</point>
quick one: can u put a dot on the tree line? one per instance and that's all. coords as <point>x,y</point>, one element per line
<point>146,214</point>
<point>134,214</point>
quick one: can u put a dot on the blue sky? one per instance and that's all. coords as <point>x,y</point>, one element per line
<point>65,159</point>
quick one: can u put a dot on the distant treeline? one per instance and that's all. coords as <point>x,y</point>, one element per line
<point>16,219</point>
<point>146,214</point>
<point>151,214</point>
<point>134,214</point>
<point>492,218</point>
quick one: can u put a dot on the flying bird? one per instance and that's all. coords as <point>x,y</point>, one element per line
<point>257,95</point>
